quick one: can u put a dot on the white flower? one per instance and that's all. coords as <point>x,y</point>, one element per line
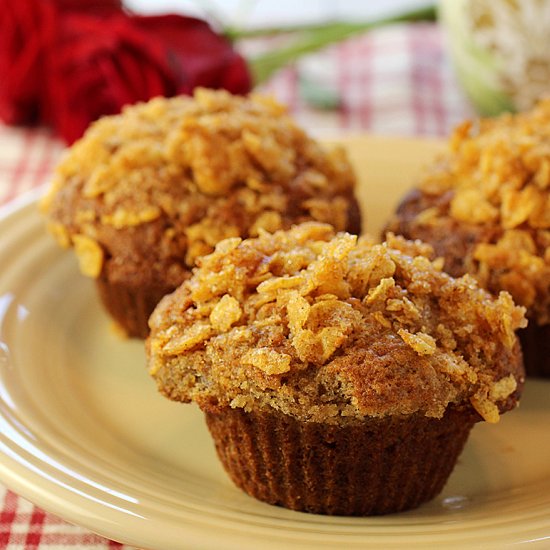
<point>501,50</point>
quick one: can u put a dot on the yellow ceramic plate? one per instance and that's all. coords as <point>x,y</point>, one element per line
<point>84,434</point>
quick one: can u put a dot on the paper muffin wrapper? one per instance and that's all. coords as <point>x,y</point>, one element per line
<point>377,467</point>
<point>535,345</point>
<point>130,306</point>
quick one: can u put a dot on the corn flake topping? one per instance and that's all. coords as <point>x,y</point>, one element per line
<point>498,172</point>
<point>324,326</point>
<point>201,170</point>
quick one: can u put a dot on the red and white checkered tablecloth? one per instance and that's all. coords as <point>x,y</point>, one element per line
<point>395,81</point>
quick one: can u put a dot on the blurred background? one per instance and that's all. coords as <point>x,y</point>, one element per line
<point>393,78</point>
<point>406,67</point>
<point>258,14</point>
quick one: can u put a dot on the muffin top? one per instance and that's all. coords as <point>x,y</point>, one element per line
<point>494,182</point>
<point>168,179</point>
<point>329,328</point>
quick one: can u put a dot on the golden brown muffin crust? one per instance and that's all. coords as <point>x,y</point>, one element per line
<point>485,206</point>
<point>326,328</point>
<point>181,174</point>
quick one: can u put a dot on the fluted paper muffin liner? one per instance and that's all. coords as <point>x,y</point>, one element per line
<point>131,306</point>
<point>378,466</point>
<point>535,345</point>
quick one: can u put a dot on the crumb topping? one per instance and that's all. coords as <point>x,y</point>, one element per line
<point>497,173</point>
<point>202,169</point>
<point>326,327</point>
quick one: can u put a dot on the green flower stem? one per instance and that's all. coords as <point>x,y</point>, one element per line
<point>314,37</point>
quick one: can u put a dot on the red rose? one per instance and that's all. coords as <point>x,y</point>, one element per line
<point>67,62</point>
<point>197,55</point>
<point>97,66</point>
<point>96,7</point>
<point>26,30</point>
<point>24,27</point>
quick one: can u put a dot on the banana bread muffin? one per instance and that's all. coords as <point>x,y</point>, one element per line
<point>337,376</point>
<point>485,208</point>
<point>144,193</point>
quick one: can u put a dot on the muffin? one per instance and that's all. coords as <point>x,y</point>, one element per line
<point>337,376</point>
<point>144,193</point>
<point>485,208</point>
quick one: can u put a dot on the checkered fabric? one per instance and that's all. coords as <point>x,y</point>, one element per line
<point>395,81</point>
<point>26,527</point>
<point>392,81</point>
